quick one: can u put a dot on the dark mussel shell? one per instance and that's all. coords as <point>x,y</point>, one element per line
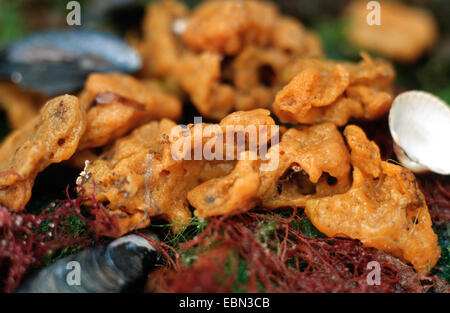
<point>119,267</point>
<point>58,61</point>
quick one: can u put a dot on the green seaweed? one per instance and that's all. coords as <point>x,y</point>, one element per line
<point>195,227</point>
<point>11,23</point>
<point>267,228</point>
<point>332,33</point>
<point>442,268</point>
<point>309,229</point>
<point>242,275</point>
<point>444,94</point>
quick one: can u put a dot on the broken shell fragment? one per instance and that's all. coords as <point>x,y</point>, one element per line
<point>420,125</point>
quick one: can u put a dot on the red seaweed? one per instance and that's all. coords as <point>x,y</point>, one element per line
<point>286,261</point>
<point>437,194</point>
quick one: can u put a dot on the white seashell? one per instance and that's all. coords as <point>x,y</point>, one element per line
<point>420,127</point>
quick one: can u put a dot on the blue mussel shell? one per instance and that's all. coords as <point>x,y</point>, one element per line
<point>122,266</point>
<point>58,61</point>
